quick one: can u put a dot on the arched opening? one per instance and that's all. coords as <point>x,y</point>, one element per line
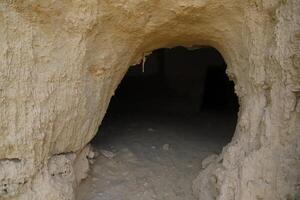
<point>167,115</point>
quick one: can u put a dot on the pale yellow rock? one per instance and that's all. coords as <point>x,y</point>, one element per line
<point>61,60</point>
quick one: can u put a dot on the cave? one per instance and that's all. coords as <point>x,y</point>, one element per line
<point>62,62</point>
<point>169,112</point>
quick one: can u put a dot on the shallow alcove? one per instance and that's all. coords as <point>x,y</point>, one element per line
<point>165,118</point>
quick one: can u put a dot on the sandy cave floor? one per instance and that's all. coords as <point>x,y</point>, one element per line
<point>154,158</point>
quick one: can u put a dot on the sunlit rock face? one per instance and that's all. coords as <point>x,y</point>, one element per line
<point>61,60</point>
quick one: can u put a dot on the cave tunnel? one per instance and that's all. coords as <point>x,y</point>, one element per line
<point>166,116</point>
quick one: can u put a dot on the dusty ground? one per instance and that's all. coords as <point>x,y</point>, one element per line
<point>157,151</point>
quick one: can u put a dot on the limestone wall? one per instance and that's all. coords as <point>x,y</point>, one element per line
<point>61,60</point>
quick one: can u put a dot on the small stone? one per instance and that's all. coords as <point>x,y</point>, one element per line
<point>166,147</point>
<point>95,179</point>
<point>107,154</point>
<point>91,155</point>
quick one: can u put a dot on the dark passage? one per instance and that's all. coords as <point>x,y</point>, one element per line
<point>164,119</point>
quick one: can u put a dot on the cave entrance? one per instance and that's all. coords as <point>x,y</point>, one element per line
<point>165,118</point>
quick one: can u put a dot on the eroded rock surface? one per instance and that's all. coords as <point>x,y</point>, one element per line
<point>61,60</point>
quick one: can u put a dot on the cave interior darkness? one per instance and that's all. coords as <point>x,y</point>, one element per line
<point>166,116</point>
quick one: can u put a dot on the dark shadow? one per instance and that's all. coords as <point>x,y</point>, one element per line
<point>175,83</point>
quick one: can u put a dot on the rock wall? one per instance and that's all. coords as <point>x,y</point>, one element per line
<point>61,60</point>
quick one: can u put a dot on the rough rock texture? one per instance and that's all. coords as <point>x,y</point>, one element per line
<point>61,60</point>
